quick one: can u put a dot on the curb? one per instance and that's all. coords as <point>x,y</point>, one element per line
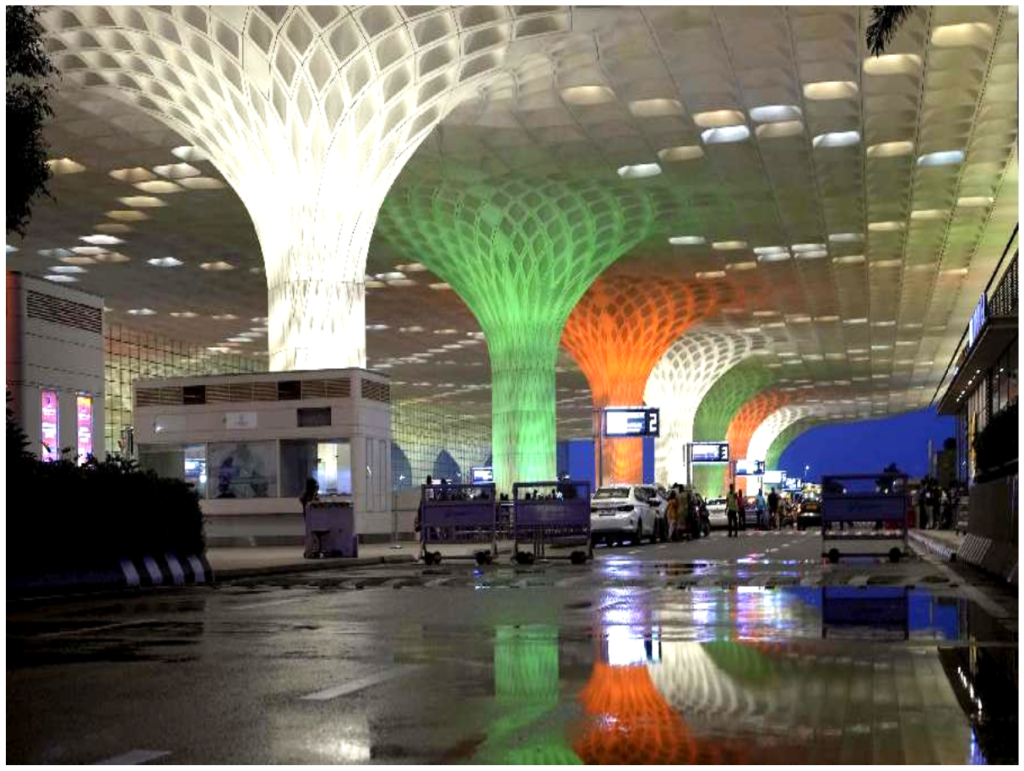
<point>306,566</point>
<point>933,546</point>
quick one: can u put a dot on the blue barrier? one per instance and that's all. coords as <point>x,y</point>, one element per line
<point>458,514</point>
<point>556,513</point>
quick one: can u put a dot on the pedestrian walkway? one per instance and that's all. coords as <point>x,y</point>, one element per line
<point>942,543</point>
<point>243,561</point>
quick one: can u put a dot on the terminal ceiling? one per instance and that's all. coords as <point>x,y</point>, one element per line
<point>854,223</point>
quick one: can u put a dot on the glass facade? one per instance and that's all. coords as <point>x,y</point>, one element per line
<point>1004,379</point>
<point>429,439</point>
<point>129,355</point>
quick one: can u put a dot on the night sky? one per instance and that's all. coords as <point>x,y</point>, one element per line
<point>868,446</point>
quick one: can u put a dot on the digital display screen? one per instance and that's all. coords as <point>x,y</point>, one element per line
<point>83,405</point>
<point>632,421</point>
<point>774,477</point>
<point>50,420</point>
<point>793,484</point>
<point>482,475</point>
<point>752,468</point>
<point>709,452</point>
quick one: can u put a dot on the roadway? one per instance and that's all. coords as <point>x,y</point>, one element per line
<point>748,649</point>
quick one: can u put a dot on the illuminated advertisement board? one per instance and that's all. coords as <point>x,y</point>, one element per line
<point>709,452</point>
<point>978,319</point>
<point>482,475</point>
<point>631,421</point>
<point>83,406</point>
<point>793,484</point>
<point>749,468</point>
<point>50,421</point>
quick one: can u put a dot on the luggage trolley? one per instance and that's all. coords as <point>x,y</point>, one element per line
<point>457,515</point>
<point>556,513</point>
<point>852,499</point>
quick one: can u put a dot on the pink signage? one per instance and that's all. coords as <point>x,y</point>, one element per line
<point>50,420</point>
<point>84,405</point>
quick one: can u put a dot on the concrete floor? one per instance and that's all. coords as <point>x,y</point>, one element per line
<point>745,650</point>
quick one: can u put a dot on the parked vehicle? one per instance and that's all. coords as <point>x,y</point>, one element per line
<point>810,514</point>
<point>717,517</point>
<point>622,513</point>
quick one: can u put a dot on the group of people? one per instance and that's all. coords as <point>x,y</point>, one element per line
<point>769,510</point>
<point>684,512</point>
<point>937,505</point>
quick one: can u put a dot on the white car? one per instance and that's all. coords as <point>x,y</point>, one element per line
<point>717,515</point>
<point>626,513</point>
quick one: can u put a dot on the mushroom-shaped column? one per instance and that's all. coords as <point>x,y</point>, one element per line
<point>678,385</point>
<point>309,112</point>
<point>520,252</point>
<point>786,438</point>
<point>772,426</point>
<point>616,334</point>
<point>715,414</point>
<point>746,420</point>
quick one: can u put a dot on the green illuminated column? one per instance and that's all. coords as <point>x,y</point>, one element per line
<point>520,252</point>
<point>716,411</point>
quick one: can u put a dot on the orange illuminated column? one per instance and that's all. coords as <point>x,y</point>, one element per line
<point>629,720</point>
<point>745,422</point>
<point>617,333</point>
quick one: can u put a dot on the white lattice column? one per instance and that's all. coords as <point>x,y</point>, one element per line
<point>679,382</point>
<point>775,424</point>
<point>309,112</point>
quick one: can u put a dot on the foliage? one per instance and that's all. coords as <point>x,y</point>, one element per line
<point>886,21</point>
<point>28,72</point>
<point>63,516</point>
<point>995,445</point>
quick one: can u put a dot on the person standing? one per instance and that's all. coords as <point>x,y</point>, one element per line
<point>732,510</point>
<point>741,511</point>
<point>773,509</point>
<point>672,515</point>
<point>760,508</point>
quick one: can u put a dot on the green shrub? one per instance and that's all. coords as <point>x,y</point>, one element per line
<point>64,516</point>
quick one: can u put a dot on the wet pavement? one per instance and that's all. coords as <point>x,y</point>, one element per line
<point>745,650</point>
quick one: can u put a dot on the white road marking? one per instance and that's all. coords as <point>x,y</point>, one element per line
<point>134,758</point>
<point>357,685</point>
<point>861,580</point>
<point>620,600</point>
<point>91,629</point>
<point>811,580</point>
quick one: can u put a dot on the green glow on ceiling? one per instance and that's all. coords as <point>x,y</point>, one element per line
<point>526,688</point>
<point>520,252</point>
<point>784,439</point>
<point>716,412</point>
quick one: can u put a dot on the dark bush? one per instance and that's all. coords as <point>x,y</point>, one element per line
<point>64,516</point>
<point>995,446</point>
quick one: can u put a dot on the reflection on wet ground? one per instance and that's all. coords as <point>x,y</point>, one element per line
<point>624,664</point>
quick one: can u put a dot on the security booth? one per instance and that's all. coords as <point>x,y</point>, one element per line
<point>248,444</point>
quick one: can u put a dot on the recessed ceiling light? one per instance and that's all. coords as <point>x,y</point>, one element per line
<point>11,249</point>
<point>974,202</point>
<point>165,262</point>
<point>726,246</point>
<point>957,35</point>
<point>132,175</point>
<point>776,113</point>
<point>446,331</point>
<point>655,108</point>
<point>780,130</point>
<point>78,260</point>
<point>885,227</point>
<point>218,265</point>
<point>639,171</point>
<point>376,327</point>
<point>928,214</point>
<point>161,186</point>
<point>944,158</point>
<point>686,240</point>
<point>410,329</point>
<point>177,171</point>
<point>189,154</point>
<point>741,266</point>
<point>202,183</point>
<point>184,314</point>
<point>59,278</point>
<point>392,276</point>
<point>837,139</point>
<point>680,153</point>
<point>441,286</point>
<point>141,312</point>
<point>725,135</point>
<point>218,349</point>
<point>718,118</point>
<point>585,96</point>
<point>807,247</point>
<point>239,340</point>
<point>710,274</point>
<point>402,282</point>
<point>260,319</point>
<point>845,238</point>
<point>893,64</point>
<point>412,267</point>
<point>128,216</point>
<point>884,323</point>
<point>92,251</point>
<point>850,259</point>
<point>830,89</point>
<point>101,240</point>
<point>64,166</point>
<point>112,227</point>
<point>885,263</point>
<point>890,149</point>
<point>765,314</point>
<point>112,257</point>
<point>224,317</point>
<point>955,272</point>
<point>142,202</point>
<point>68,269</point>
<point>374,284</point>
<point>826,319</point>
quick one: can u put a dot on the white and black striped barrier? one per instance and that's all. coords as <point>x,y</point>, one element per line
<point>166,570</point>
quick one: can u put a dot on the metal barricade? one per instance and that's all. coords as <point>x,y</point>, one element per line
<point>458,515</point>
<point>879,500</point>
<point>551,513</point>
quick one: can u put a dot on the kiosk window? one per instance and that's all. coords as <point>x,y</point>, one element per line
<point>289,390</point>
<point>314,417</point>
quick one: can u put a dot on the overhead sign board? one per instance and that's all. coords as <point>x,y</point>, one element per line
<point>749,468</point>
<point>774,477</point>
<point>793,484</point>
<point>482,475</point>
<point>978,319</point>
<point>632,421</point>
<point>709,452</point>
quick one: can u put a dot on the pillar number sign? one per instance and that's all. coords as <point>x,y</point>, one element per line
<point>49,424</point>
<point>84,423</point>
